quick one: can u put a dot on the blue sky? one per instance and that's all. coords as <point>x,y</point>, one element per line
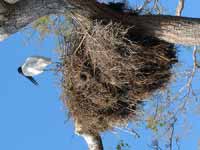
<point>33,118</point>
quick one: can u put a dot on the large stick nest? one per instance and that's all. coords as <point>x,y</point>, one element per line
<point>110,71</point>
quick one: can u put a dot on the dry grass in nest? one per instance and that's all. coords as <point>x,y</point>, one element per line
<point>110,72</point>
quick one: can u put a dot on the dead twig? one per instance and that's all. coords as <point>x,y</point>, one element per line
<point>142,7</point>
<point>172,133</point>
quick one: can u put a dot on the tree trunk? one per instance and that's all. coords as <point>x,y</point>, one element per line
<point>16,14</point>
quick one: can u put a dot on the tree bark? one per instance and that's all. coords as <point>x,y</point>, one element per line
<point>173,29</point>
<point>93,140</point>
<point>13,17</point>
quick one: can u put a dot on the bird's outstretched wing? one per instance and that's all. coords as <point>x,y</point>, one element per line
<point>32,80</point>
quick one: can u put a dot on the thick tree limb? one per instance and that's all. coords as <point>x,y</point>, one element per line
<point>173,29</point>
<point>93,140</point>
<point>18,15</point>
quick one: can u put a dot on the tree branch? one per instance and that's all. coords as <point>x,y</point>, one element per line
<point>179,7</point>
<point>171,128</point>
<point>93,140</point>
<point>173,29</point>
<point>18,15</point>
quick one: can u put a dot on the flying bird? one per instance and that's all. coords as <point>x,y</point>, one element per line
<point>33,66</point>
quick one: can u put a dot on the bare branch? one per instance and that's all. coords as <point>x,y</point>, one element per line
<point>179,7</point>
<point>172,133</point>
<point>195,66</point>
<point>130,131</point>
<point>156,7</point>
<point>142,7</point>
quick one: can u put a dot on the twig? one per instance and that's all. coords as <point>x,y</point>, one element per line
<point>141,8</point>
<point>156,6</point>
<point>130,131</point>
<point>189,82</point>
<point>83,38</point>
<point>172,133</point>
<point>177,143</point>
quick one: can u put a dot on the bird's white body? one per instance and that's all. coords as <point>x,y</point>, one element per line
<point>35,65</point>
